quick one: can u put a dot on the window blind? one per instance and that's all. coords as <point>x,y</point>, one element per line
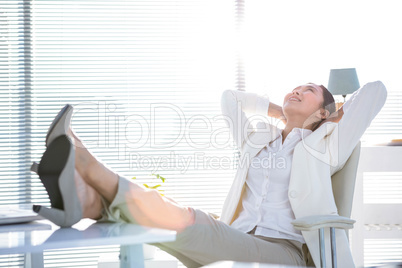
<point>382,252</point>
<point>14,103</point>
<point>15,130</point>
<point>145,78</point>
<point>388,123</point>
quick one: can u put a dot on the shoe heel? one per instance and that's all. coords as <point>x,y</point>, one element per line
<point>54,215</point>
<point>60,124</point>
<point>34,167</point>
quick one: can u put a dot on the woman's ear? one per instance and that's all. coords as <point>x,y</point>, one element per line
<point>324,114</point>
<point>321,114</point>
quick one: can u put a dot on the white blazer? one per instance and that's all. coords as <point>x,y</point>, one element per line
<point>316,157</point>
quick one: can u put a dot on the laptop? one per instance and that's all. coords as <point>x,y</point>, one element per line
<point>17,214</point>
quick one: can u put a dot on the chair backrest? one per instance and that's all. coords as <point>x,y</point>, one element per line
<point>343,183</point>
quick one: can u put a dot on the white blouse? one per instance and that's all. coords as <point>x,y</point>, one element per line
<point>265,203</point>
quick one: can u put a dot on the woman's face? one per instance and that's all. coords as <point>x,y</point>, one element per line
<point>304,101</point>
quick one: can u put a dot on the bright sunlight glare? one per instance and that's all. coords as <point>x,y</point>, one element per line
<point>287,43</point>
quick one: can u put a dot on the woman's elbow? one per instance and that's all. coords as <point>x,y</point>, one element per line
<point>378,88</point>
<point>227,95</point>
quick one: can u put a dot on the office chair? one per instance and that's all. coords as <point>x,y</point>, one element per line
<point>343,185</point>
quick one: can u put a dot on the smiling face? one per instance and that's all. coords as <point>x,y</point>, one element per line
<point>304,102</point>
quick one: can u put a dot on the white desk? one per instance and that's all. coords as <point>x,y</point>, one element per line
<point>33,238</point>
<point>231,264</point>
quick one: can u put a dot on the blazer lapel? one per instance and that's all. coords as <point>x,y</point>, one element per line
<point>258,139</point>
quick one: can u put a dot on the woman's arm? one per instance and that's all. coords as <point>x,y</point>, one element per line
<point>235,104</point>
<point>355,117</point>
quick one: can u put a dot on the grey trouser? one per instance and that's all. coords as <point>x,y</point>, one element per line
<point>209,240</point>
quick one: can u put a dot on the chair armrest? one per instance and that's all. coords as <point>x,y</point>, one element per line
<point>316,222</point>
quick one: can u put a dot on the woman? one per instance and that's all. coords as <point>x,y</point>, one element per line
<point>255,221</point>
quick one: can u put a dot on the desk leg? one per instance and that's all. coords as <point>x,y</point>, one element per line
<point>33,260</point>
<point>131,256</point>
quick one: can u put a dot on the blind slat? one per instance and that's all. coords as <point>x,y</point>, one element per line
<point>112,60</point>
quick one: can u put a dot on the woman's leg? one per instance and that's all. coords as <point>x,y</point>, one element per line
<point>209,240</point>
<point>143,206</point>
<point>201,239</point>
<point>94,173</point>
<point>90,199</point>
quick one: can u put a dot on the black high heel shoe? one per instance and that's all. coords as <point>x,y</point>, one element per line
<point>59,126</point>
<point>56,171</point>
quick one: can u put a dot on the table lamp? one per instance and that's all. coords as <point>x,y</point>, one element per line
<point>343,82</point>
